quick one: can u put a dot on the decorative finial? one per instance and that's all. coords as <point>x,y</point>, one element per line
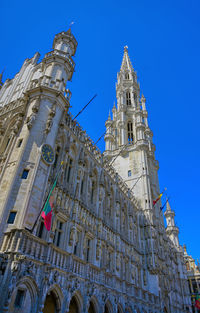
<point>114,107</point>
<point>70,26</point>
<point>126,48</point>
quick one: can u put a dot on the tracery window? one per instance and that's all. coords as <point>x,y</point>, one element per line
<point>130,132</point>
<point>128,98</point>
<point>127,76</point>
<point>87,249</point>
<point>58,233</point>
<point>68,170</point>
<point>76,243</point>
<point>93,192</point>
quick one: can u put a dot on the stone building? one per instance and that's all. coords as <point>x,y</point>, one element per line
<point>193,274</point>
<point>108,250</point>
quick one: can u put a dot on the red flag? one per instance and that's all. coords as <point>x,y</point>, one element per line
<point>47,212</point>
<point>197,303</point>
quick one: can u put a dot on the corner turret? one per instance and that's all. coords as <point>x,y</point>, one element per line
<point>172,230</point>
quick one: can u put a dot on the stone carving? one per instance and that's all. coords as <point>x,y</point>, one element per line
<point>118,262</point>
<point>51,115</point>
<point>31,118</point>
<point>72,236</point>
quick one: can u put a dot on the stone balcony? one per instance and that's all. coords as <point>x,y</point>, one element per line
<point>61,54</point>
<point>21,243</point>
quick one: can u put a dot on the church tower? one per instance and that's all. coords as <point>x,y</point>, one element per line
<point>128,138</point>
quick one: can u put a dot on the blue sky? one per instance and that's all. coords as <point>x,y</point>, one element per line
<point>164,47</point>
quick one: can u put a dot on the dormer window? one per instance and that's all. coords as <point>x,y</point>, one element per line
<point>128,98</point>
<point>127,76</point>
<point>130,132</point>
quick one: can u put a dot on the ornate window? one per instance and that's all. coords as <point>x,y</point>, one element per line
<point>92,192</point>
<point>87,249</point>
<point>76,243</point>
<point>41,230</point>
<point>58,233</point>
<point>68,170</point>
<point>128,98</point>
<point>127,76</point>
<point>130,132</point>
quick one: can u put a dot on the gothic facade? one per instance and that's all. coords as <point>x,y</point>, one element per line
<point>193,274</point>
<point>108,250</point>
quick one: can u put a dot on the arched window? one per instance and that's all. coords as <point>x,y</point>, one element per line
<point>58,233</point>
<point>106,310</point>
<point>130,132</point>
<point>128,98</point>
<point>87,248</point>
<point>50,304</point>
<point>127,76</point>
<point>92,192</point>
<point>68,170</point>
<point>91,308</point>
<point>73,307</point>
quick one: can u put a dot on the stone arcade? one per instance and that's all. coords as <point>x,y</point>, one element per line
<point>108,250</point>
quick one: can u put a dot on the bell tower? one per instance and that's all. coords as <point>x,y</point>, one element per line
<point>129,146</point>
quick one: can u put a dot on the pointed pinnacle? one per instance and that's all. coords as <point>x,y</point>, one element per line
<point>126,63</point>
<point>114,107</point>
<point>168,206</point>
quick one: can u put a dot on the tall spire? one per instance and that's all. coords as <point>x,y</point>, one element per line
<point>126,62</point>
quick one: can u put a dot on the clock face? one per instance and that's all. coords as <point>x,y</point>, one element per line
<point>47,153</point>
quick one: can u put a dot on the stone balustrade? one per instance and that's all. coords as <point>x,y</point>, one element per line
<point>62,54</point>
<point>24,244</point>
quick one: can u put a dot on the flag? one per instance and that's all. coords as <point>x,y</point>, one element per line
<point>160,195</point>
<point>162,207</point>
<point>48,208</point>
<point>49,204</point>
<point>155,201</point>
<point>197,302</point>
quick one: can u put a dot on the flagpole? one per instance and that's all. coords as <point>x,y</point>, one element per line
<point>48,196</point>
<point>84,108</point>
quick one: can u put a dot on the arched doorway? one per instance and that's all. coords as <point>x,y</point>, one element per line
<point>50,305</point>
<point>107,308</point>
<point>119,309</point>
<point>91,308</point>
<point>73,307</point>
